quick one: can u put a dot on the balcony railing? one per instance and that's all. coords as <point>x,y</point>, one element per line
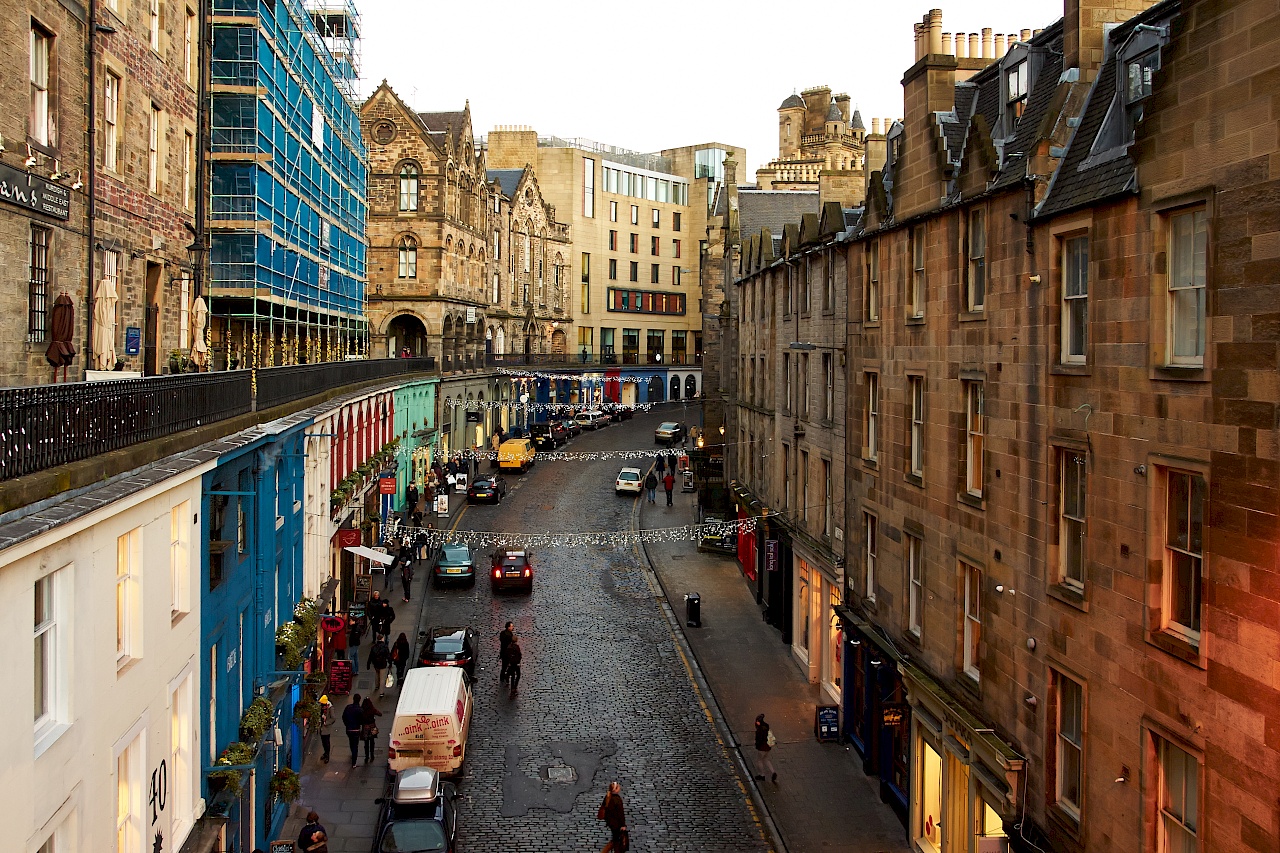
<point>50,425</point>
<point>45,426</point>
<point>588,359</point>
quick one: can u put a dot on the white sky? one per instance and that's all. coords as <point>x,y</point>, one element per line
<point>657,74</point>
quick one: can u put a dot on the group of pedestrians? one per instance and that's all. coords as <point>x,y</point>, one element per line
<point>511,655</point>
<point>664,472</point>
<point>360,719</point>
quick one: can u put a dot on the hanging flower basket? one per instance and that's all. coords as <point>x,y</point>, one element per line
<point>285,785</point>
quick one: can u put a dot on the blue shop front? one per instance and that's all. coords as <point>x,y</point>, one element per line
<point>252,579</point>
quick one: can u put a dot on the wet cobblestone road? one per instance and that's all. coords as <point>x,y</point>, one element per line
<point>605,692</point>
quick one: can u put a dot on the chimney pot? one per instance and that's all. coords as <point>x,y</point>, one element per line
<point>947,45</point>
<point>875,125</point>
<point>1037,32</point>
<point>988,49</point>
<point>962,46</point>
<point>975,45</point>
<point>1000,45</point>
<point>935,31</point>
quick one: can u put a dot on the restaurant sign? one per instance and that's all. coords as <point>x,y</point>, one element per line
<point>33,192</point>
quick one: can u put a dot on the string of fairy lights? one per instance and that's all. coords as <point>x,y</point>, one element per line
<point>575,377</point>
<point>554,408</point>
<point>396,531</point>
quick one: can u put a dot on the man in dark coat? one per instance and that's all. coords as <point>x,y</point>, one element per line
<point>380,615</point>
<point>651,485</point>
<point>512,658</point>
<point>353,722</point>
<point>504,640</point>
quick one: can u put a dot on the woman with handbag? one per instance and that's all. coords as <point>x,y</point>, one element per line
<point>611,813</point>
<point>765,741</point>
<point>380,660</point>
<point>369,732</point>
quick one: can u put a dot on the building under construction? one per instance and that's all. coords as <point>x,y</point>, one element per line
<point>288,175</point>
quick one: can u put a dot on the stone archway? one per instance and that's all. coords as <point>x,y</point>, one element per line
<point>655,389</point>
<point>406,330</point>
<point>559,342</point>
<point>690,386</point>
<point>675,387</point>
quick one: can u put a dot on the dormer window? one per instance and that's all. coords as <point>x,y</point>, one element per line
<point>1018,81</point>
<point>1139,73</point>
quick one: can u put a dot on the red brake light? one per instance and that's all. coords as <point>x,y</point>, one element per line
<point>457,750</point>
<point>391,753</point>
<point>497,573</point>
<point>528,573</point>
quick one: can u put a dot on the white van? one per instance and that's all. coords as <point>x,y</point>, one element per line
<point>432,719</point>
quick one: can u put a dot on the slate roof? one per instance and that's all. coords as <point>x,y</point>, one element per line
<point>773,209</point>
<point>1080,180</point>
<point>793,100</point>
<point>507,179</point>
<point>856,121</point>
<point>445,122</point>
<point>833,112</point>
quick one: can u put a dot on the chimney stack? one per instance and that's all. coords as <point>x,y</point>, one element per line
<point>1025,35</point>
<point>999,45</point>
<point>947,45</point>
<point>875,126</point>
<point>1083,26</point>
<point>935,31</point>
<point>975,46</point>
<point>988,48</point>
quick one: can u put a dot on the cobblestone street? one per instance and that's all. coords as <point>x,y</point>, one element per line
<point>606,693</point>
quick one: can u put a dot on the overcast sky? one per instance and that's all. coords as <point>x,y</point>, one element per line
<point>657,74</point>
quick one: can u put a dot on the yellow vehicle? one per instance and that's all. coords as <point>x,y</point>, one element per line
<point>516,453</point>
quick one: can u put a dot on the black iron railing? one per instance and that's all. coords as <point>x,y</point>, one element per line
<point>49,425</point>
<point>588,359</point>
<point>45,426</point>
<point>278,385</point>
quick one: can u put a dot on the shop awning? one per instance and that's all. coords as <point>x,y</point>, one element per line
<point>848,615</point>
<point>370,554</point>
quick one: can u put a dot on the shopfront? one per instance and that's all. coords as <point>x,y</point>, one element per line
<point>876,716</point>
<point>816,640</point>
<point>966,780</point>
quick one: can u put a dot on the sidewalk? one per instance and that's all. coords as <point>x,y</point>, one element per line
<point>343,795</point>
<point>822,800</point>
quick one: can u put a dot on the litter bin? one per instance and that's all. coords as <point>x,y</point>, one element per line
<point>693,610</point>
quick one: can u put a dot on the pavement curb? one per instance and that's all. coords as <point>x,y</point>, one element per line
<point>774,833</point>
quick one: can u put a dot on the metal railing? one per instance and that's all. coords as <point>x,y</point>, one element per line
<point>49,425</point>
<point>587,359</point>
<point>45,426</point>
<point>279,385</point>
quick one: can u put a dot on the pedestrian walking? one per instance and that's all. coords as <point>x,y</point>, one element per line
<point>611,812</point>
<point>400,656</point>
<point>379,659</point>
<point>659,463</point>
<point>411,498</point>
<point>671,463</point>
<point>651,485</point>
<point>514,656</point>
<point>406,577</point>
<point>355,633</point>
<point>504,640</point>
<point>353,721</point>
<point>326,728</point>
<point>369,715</point>
<point>313,838</point>
<point>377,612</point>
<point>669,483</point>
<point>765,741</point>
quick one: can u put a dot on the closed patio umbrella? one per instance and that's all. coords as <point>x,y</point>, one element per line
<point>104,326</point>
<point>62,327</point>
<point>199,319</point>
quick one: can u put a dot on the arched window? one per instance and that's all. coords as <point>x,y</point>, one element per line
<point>408,187</point>
<point>690,386</point>
<point>675,387</point>
<point>408,257</point>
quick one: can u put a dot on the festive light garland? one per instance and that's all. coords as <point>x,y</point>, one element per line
<point>576,377</point>
<point>567,455</point>
<point>565,408</point>
<point>395,531</point>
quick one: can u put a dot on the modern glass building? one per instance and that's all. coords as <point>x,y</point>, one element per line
<point>289,176</point>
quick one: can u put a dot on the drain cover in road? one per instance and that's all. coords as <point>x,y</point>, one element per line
<point>561,774</point>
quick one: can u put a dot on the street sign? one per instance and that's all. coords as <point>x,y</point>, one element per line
<point>132,340</point>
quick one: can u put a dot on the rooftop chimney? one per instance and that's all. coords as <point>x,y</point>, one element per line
<point>999,46</point>
<point>988,48</point>
<point>935,31</point>
<point>975,46</point>
<point>1083,24</point>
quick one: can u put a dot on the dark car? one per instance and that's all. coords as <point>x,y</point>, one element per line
<point>511,569</point>
<point>487,487</point>
<point>453,646</point>
<point>417,814</point>
<point>572,428</point>
<point>454,564</point>
<point>545,436</point>
<point>619,411</point>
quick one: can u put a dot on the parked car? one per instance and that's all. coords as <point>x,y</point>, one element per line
<point>449,647</point>
<point>572,428</point>
<point>516,454</point>
<point>584,420</point>
<point>629,480</point>
<point>668,433</point>
<point>619,411</point>
<point>547,436</point>
<point>721,541</point>
<point>417,814</point>
<point>454,564</point>
<point>511,568</point>
<point>600,418</point>
<point>487,487</point>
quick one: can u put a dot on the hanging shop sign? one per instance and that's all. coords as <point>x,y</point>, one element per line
<point>348,537</point>
<point>473,417</point>
<point>332,624</point>
<point>32,192</point>
<point>771,555</point>
<point>386,485</point>
<point>894,716</point>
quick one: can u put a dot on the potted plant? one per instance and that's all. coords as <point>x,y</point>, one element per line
<point>307,710</point>
<point>257,718</point>
<point>285,785</point>
<point>236,754</point>
<point>175,361</point>
<point>291,642</point>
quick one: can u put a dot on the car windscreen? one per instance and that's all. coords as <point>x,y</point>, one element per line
<point>413,836</point>
<point>629,475</point>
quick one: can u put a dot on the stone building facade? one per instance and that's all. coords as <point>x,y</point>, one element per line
<point>1060,499</point>
<point>820,147</point>
<point>147,70</point>
<point>43,219</point>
